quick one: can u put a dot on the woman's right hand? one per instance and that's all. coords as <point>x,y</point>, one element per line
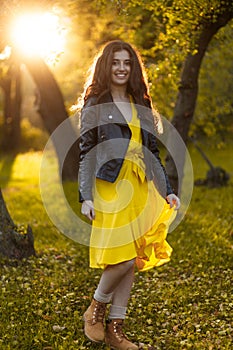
<point>88,210</point>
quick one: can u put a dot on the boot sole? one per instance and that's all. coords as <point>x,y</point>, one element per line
<point>94,341</point>
<point>110,347</point>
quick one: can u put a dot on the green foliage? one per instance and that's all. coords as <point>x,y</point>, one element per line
<point>164,31</point>
<point>185,304</point>
<point>176,26</point>
<point>88,29</point>
<point>214,111</point>
<point>32,138</point>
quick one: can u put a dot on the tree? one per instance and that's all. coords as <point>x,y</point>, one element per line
<point>53,112</point>
<point>10,82</point>
<point>214,110</point>
<point>51,103</point>
<point>188,89</point>
<point>15,242</point>
<point>185,31</point>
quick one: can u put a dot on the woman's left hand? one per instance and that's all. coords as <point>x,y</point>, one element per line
<point>173,200</point>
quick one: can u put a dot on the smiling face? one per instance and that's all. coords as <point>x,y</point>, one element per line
<point>121,68</point>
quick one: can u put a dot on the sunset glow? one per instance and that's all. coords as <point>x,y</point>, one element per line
<point>39,34</point>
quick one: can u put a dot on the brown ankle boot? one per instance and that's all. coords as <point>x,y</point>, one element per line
<point>115,338</point>
<point>94,321</point>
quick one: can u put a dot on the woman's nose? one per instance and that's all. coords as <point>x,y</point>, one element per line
<point>122,66</point>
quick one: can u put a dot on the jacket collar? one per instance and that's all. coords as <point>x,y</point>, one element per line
<point>144,113</point>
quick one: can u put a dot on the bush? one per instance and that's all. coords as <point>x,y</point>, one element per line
<point>32,138</point>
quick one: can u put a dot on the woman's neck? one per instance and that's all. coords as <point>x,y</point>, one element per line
<point>119,94</point>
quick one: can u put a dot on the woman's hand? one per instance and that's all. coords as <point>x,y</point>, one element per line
<point>173,200</point>
<point>88,210</point>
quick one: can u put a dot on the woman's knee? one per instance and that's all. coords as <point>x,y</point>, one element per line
<point>122,267</point>
<point>127,265</point>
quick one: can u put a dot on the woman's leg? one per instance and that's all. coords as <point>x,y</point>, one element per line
<point>114,335</point>
<point>113,276</point>
<point>121,296</point>
<point>121,293</point>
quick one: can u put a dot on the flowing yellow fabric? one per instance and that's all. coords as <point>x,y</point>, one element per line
<point>132,219</point>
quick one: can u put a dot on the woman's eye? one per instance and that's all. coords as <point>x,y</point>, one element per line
<point>117,63</point>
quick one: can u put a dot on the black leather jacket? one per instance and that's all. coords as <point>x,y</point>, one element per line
<point>104,139</point>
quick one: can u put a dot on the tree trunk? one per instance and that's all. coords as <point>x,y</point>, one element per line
<point>15,243</point>
<point>187,96</point>
<point>53,113</point>
<point>11,85</point>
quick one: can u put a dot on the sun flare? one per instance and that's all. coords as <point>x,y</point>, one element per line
<point>39,34</point>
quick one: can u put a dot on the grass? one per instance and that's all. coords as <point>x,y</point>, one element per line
<point>185,304</point>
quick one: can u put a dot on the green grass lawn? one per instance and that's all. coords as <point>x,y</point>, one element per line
<point>185,304</point>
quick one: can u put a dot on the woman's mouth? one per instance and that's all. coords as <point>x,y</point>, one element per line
<point>121,75</point>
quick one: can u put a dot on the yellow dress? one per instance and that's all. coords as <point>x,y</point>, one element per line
<point>132,219</point>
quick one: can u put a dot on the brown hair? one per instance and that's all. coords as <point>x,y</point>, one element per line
<point>99,81</point>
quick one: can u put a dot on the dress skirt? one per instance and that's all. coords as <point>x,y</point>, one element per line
<point>132,219</point>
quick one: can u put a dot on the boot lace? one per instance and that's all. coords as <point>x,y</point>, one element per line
<point>99,312</point>
<point>118,331</point>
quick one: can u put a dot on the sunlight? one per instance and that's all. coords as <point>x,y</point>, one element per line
<point>5,54</point>
<point>39,34</point>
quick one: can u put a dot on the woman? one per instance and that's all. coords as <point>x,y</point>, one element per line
<point>130,218</point>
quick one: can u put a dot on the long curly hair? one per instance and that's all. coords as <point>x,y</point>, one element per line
<point>99,81</point>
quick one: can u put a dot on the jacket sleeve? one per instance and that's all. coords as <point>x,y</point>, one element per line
<point>87,157</point>
<point>155,151</point>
